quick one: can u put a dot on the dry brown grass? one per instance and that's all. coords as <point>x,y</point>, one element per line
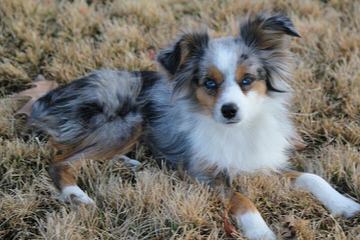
<point>63,40</point>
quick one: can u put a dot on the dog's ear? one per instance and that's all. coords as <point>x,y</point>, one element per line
<point>267,32</point>
<point>189,46</point>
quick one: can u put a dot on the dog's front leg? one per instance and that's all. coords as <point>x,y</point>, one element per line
<point>242,210</point>
<point>248,218</point>
<point>335,202</point>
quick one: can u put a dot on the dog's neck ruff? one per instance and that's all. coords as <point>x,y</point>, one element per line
<point>259,145</point>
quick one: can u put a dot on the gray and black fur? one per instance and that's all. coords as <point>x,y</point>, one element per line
<point>92,114</point>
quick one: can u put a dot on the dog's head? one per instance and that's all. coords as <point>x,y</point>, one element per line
<point>229,78</point>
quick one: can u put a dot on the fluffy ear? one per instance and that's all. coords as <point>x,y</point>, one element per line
<point>189,46</point>
<point>266,32</point>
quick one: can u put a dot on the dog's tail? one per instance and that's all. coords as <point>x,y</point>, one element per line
<point>97,115</point>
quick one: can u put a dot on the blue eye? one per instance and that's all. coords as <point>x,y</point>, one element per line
<point>246,81</point>
<point>210,84</point>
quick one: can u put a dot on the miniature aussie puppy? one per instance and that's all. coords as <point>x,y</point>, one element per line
<point>219,109</point>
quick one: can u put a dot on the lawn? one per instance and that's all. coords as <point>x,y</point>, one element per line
<point>62,40</point>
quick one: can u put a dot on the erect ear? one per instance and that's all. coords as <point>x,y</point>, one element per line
<point>189,46</point>
<point>266,32</point>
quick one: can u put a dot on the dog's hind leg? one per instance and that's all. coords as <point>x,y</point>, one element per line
<point>94,117</point>
<point>63,175</point>
<point>63,171</point>
<point>64,168</point>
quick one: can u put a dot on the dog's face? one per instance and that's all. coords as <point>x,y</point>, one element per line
<point>229,78</point>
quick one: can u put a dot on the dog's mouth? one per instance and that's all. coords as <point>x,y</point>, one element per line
<point>232,122</point>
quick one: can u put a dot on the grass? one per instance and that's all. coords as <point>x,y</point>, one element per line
<point>63,40</point>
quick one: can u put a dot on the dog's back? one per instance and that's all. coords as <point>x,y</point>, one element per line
<point>93,116</point>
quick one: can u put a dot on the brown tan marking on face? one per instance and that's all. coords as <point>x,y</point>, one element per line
<point>205,100</point>
<point>208,98</point>
<point>258,86</point>
<point>214,73</point>
<point>241,70</point>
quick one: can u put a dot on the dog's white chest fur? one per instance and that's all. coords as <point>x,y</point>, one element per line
<point>259,145</point>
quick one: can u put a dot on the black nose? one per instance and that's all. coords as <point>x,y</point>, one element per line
<point>229,110</point>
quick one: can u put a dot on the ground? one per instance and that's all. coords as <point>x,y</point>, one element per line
<point>63,40</point>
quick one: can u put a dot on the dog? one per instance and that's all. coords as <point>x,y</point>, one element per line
<point>217,108</point>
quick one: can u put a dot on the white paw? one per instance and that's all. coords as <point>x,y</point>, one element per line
<point>73,194</point>
<point>347,208</point>
<point>261,235</point>
<point>254,226</point>
<point>131,163</point>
